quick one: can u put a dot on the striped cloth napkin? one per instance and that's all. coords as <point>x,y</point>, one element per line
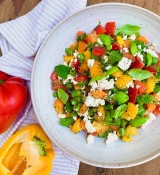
<point>19,41</point>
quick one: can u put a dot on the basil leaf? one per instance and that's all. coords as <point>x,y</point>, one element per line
<point>133,48</point>
<point>149,59</point>
<point>137,122</point>
<point>139,74</point>
<point>119,111</point>
<point>157,88</point>
<point>109,72</point>
<point>62,95</point>
<point>121,97</point>
<point>128,29</point>
<point>66,121</point>
<point>62,71</point>
<point>114,56</point>
<point>106,39</point>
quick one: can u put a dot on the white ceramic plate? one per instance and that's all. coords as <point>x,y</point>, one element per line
<point>146,145</point>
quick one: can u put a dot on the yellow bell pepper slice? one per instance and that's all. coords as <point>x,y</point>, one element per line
<point>28,152</point>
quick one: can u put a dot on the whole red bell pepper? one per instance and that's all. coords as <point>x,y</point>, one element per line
<point>13,96</point>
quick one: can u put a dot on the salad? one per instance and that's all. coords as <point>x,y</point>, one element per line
<point>108,85</point>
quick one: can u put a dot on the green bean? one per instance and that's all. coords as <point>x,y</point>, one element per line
<point>122,131</point>
<point>81,57</point>
<point>68,107</point>
<point>72,72</point>
<point>76,93</point>
<point>77,107</point>
<point>109,107</point>
<point>74,114</point>
<point>92,111</point>
<point>108,117</point>
<point>76,100</point>
<point>55,94</point>
<point>123,123</point>
<point>141,110</point>
<point>69,85</point>
<point>69,51</point>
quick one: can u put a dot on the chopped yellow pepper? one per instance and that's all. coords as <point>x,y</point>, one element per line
<point>100,127</point>
<point>122,81</point>
<point>130,131</point>
<point>87,55</point>
<point>151,84</point>
<point>131,112</point>
<point>28,152</point>
<point>120,40</point>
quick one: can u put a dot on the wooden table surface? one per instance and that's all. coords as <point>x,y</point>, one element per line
<point>11,9</point>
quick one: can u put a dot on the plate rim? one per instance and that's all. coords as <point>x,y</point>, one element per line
<point>93,163</point>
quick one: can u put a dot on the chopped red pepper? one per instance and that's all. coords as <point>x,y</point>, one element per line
<point>110,28</point>
<point>151,69</point>
<point>54,76</point>
<point>75,64</point>
<point>132,92</point>
<point>116,46</point>
<point>98,51</point>
<point>137,63</point>
<point>157,110</point>
<point>81,78</point>
<point>100,29</point>
<point>140,86</point>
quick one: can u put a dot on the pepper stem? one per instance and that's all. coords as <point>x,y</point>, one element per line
<point>1,82</point>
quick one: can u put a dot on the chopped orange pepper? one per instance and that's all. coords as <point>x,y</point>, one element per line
<point>81,46</point>
<point>142,38</point>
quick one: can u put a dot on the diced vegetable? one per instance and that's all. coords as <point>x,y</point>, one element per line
<point>122,81</point>
<point>58,106</point>
<point>110,28</point>
<point>131,112</point>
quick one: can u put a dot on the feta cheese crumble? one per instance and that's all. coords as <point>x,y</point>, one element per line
<point>111,138</point>
<point>89,126</point>
<point>90,63</point>
<point>151,52</point>
<point>99,42</point>
<point>125,49</point>
<point>75,54</point>
<point>105,57</point>
<point>124,37</point>
<point>124,63</point>
<point>139,47</point>
<point>92,102</point>
<point>132,37</point>
<point>62,115</point>
<point>69,77</point>
<point>151,117</point>
<point>65,63</point>
<point>106,84</point>
<point>74,118</point>
<point>108,67</point>
<point>90,139</point>
<point>140,56</point>
<point>99,114</point>
<point>130,84</point>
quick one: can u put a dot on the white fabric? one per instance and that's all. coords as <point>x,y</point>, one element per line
<point>19,42</point>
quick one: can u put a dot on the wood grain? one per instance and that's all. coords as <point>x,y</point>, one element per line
<point>11,9</point>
